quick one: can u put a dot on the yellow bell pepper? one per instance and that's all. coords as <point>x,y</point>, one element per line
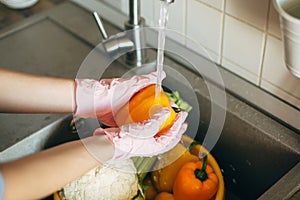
<point>164,177</point>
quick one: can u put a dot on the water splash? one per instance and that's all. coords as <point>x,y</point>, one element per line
<point>163,19</point>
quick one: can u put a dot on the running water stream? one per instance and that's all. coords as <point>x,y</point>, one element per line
<point>163,19</point>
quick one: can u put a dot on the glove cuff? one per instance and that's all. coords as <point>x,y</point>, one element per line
<point>84,98</point>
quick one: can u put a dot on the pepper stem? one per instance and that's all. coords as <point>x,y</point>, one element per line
<point>201,173</point>
<point>192,145</point>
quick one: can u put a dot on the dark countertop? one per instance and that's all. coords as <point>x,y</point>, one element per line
<point>32,31</point>
<point>10,16</point>
<point>35,39</point>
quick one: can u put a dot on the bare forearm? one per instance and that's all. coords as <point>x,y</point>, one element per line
<point>41,174</point>
<point>35,94</point>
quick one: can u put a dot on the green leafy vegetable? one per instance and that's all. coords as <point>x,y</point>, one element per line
<point>182,105</point>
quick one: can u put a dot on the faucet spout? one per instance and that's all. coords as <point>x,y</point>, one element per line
<point>135,20</point>
<point>134,12</point>
<point>169,1</point>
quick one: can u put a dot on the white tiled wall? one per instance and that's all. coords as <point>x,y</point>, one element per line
<point>253,12</point>
<point>242,49</point>
<point>211,19</point>
<point>177,19</point>
<point>275,76</point>
<point>241,35</point>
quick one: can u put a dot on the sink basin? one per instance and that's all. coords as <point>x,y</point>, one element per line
<point>257,154</point>
<point>252,158</point>
<point>252,161</point>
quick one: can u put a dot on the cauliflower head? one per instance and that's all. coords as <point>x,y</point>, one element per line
<point>115,181</point>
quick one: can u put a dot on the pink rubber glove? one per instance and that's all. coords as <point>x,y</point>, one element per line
<point>138,139</point>
<point>101,99</point>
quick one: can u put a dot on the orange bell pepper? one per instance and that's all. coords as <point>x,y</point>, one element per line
<point>164,196</point>
<point>195,181</point>
<point>196,149</point>
<point>56,196</point>
<point>143,105</point>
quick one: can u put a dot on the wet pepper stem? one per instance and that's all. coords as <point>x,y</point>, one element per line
<point>201,173</point>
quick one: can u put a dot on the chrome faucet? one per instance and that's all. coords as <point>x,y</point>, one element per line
<point>137,56</point>
<point>135,20</point>
<point>169,1</point>
<point>135,23</point>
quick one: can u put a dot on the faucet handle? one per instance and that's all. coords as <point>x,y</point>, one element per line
<point>169,1</point>
<point>100,25</point>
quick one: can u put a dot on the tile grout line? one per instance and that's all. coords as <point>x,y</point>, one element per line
<point>244,22</point>
<point>222,34</point>
<point>264,44</point>
<point>185,21</point>
<point>282,90</point>
<point>210,6</point>
<point>230,15</point>
<point>239,66</point>
<point>275,36</point>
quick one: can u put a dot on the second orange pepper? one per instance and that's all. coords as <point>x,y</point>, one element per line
<point>195,181</point>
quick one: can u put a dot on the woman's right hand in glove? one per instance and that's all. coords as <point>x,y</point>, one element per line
<point>138,139</point>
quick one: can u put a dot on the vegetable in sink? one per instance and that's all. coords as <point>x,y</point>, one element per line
<point>116,181</point>
<point>142,106</point>
<point>106,183</point>
<point>195,181</point>
<point>164,177</point>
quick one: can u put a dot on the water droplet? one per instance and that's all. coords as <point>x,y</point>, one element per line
<point>232,167</point>
<point>233,181</point>
<point>248,162</point>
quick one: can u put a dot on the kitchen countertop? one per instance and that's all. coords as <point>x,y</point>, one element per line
<point>18,38</point>
<point>39,31</point>
<point>10,16</point>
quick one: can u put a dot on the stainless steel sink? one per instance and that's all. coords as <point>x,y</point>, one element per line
<point>251,157</point>
<point>258,154</point>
